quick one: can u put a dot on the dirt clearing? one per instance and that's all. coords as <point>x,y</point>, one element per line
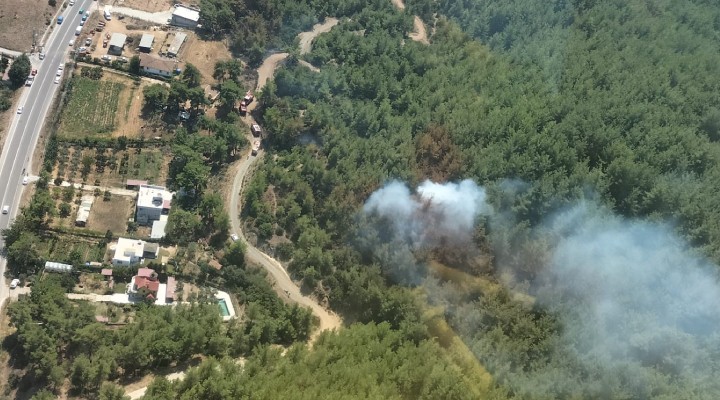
<point>145,5</point>
<point>110,215</point>
<point>20,18</point>
<point>306,38</point>
<point>203,55</point>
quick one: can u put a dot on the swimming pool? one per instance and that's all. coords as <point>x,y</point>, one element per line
<point>223,308</point>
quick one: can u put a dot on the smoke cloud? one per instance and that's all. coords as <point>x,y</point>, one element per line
<point>636,304</point>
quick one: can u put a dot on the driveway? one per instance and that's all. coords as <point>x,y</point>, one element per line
<point>160,18</point>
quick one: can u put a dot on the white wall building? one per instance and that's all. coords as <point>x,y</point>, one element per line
<point>157,66</point>
<point>83,211</point>
<point>185,17</point>
<point>128,251</point>
<point>152,202</point>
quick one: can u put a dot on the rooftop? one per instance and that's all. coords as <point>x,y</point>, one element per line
<point>117,40</point>
<point>177,43</point>
<point>145,272</point>
<point>143,282</point>
<point>160,64</point>
<point>171,287</point>
<point>83,211</point>
<point>128,248</point>
<point>146,40</point>
<point>135,182</point>
<point>187,13</point>
<point>106,272</point>
<point>158,228</point>
<point>151,196</point>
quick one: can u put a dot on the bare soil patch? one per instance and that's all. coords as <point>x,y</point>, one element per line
<point>144,5</point>
<point>111,215</point>
<point>306,38</point>
<point>204,54</point>
<point>20,18</point>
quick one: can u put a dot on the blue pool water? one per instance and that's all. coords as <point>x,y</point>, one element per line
<point>223,308</point>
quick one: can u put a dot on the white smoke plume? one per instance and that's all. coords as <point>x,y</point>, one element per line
<point>448,209</point>
<point>633,299</point>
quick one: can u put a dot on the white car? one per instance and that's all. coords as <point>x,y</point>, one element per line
<point>25,180</point>
<point>58,73</point>
<point>234,237</point>
<point>41,56</point>
<point>57,80</point>
<point>71,3</point>
<point>61,66</point>
<point>82,23</point>
<point>20,109</point>
<point>14,283</point>
<point>72,42</point>
<point>6,209</point>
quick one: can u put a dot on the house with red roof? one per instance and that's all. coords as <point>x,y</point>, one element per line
<point>144,285</point>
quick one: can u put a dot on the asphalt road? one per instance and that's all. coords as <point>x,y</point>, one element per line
<point>24,131</point>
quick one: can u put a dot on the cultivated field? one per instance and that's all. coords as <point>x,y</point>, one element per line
<point>18,20</point>
<point>111,167</point>
<point>70,248</point>
<point>92,108</point>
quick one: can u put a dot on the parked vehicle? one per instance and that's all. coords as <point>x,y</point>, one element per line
<point>60,19</point>
<point>234,237</point>
<point>34,72</point>
<point>256,130</point>
<point>72,42</point>
<point>105,42</point>
<point>6,209</point>
<point>41,56</point>
<point>57,80</point>
<point>255,147</point>
<point>248,97</point>
<point>19,111</point>
<point>71,3</point>
<point>25,180</point>
<point>14,283</point>
<point>61,66</point>
<point>78,30</point>
<point>107,15</point>
<point>243,108</point>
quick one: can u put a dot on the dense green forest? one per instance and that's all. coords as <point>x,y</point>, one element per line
<point>544,103</point>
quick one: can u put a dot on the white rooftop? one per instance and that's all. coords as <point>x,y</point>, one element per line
<point>177,43</point>
<point>117,40</point>
<point>83,211</point>
<point>187,13</point>
<point>128,248</point>
<point>151,196</point>
<point>146,40</point>
<point>158,228</point>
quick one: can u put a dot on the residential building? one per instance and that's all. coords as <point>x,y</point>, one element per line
<point>158,228</point>
<point>152,202</point>
<point>146,42</point>
<point>185,17</point>
<point>144,285</point>
<point>134,184</point>
<point>83,211</point>
<point>133,251</point>
<point>152,65</point>
<point>117,44</point>
<point>176,44</point>
<point>170,290</point>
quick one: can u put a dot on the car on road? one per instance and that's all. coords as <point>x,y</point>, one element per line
<point>60,19</point>
<point>72,42</point>
<point>25,180</point>
<point>61,66</point>
<point>234,237</point>
<point>71,3</point>
<point>57,80</point>
<point>14,283</point>
<point>6,209</point>
<point>82,23</point>
<point>58,73</point>
<point>34,72</point>
<point>20,109</point>
<point>41,56</point>
<point>81,11</point>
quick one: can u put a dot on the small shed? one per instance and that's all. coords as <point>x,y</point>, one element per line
<point>117,44</point>
<point>176,44</point>
<point>83,212</point>
<point>107,273</point>
<point>146,42</point>
<point>170,290</point>
<point>134,184</point>
<point>185,17</point>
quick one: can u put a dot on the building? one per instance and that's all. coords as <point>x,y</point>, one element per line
<point>152,202</point>
<point>185,17</point>
<point>146,42</point>
<point>157,66</point>
<point>144,285</point>
<point>133,251</point>
<point>116,44</point>
<point>57,267</point>
<point>134,184</point>
<point>170,290</point>
<point>83,211</point>
<point>176,44</point>
<point>158,228</point>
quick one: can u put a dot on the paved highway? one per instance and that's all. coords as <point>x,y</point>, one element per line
<point>24,131</point>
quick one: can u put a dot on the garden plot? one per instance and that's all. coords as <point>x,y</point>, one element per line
<point>110,213</point>
<point>109,167</point>
<point>92,108</point>
<point>70,249</point>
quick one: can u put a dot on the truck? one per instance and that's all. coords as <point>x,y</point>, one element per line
<point>60,19</point>
<point>255,147</point>
<point>256,130</point>
<point>78,30</point>
<point>248,97</point>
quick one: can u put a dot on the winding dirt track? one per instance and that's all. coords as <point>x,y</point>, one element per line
<point>419,34</point>
<point>284,286</point>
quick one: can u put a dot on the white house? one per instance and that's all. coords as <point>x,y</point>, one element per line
<point>185,17</point>
<point>133,251</point>
<point>152,202</point>
<point>157,66</point>
<point>83,211</point>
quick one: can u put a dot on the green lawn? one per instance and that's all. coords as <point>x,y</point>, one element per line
<point>69,249</point>
<point>91,109</point>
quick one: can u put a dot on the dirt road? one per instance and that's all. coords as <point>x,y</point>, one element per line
<point>306,38</point>
<point>420,33</point>
<point>284,286</point>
